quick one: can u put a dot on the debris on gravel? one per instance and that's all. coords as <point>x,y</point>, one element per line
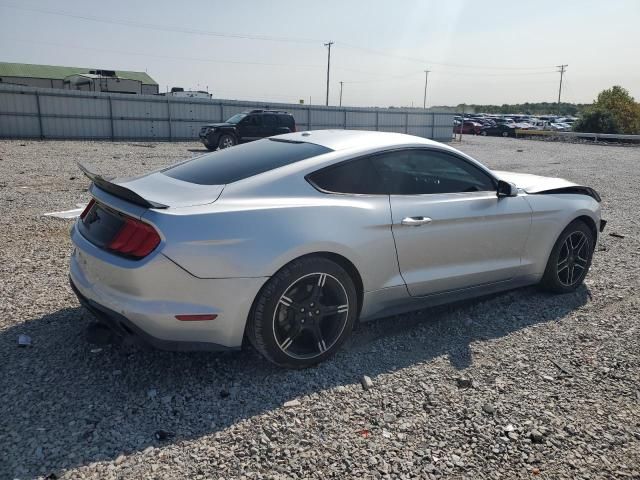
<point>70,410</point>
<point>366,382</point>
<point>464,382</point>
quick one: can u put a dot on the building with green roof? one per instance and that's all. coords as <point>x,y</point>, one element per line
<point>52,76</point>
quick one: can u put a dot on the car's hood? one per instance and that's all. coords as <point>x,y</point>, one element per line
<point>533,183</point>
<point>222,124</point>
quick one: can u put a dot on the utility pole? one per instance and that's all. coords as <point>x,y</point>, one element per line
<point>341,93</point>
<point>562,69</point>
<point>426,79</point>
<point>328,68</point>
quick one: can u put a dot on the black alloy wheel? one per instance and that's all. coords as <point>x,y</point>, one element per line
<point>573,259</point>
<point>303,313</point>
<point>570,258</point>
<point>311,315</point>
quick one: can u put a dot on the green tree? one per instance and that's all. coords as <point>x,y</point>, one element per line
<point>597,120</point>
<point>614,111</point>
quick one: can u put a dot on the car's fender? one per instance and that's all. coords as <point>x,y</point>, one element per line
<point>551,213</point>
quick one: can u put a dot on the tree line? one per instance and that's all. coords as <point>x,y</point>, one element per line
<point>613,111</point>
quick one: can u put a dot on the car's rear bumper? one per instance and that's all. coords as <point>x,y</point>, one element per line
<point>125,328</point>
<point>144,297</point>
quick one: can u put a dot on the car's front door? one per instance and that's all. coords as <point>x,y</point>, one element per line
<point>450,228</point>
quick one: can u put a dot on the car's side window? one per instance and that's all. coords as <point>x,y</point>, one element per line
<point>353,176</point>
<point>254,120</point>
<point>270,120</point>
<point>419,172</point>
<point>285,121</point>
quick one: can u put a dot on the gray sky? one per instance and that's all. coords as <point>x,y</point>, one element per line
<point>486,51</point>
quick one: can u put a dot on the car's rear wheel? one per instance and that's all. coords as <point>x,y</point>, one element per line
<point>570,259</point>
<point>483,133</point>
<point>304,313</point>
<point>226,140</point>
<point>505,134</point>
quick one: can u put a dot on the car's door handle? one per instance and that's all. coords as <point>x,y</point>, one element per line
<point>415,221</point>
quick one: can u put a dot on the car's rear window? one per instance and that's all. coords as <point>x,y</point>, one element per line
<point>243,161</point>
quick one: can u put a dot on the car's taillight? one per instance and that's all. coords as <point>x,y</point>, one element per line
<point>134,239</point>
<point>87,208</point>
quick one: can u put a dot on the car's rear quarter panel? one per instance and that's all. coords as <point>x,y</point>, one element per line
<point>238,237</point>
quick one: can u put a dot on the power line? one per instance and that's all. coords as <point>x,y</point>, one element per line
<point>171,28</point>
<point>155,55</point>
<point>163,28</point>
<point>383,78</point>
<point>440,73</point>
<point>444,64</point>
<point>386,78</point>
<point>474,75</point>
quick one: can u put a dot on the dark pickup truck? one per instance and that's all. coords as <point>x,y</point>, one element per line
<point>247,126</point>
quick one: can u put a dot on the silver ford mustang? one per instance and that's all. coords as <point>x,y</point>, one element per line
<point>289,241</point>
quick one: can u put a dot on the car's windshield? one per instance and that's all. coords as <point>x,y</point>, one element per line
<point>236,118</point>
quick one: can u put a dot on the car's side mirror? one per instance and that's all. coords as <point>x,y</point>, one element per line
<point>507,189</point>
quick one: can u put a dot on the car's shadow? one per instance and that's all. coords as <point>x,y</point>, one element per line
<point>68,404</point>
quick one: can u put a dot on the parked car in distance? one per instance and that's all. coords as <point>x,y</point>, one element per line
<point>468,127</point>
<point>505,121</point>
<point>500,130</point>
<point>560,127</point>
<point>245,127</point>
<point>290,240</point>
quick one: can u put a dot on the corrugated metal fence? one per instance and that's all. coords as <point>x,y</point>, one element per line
<point>27,112</point>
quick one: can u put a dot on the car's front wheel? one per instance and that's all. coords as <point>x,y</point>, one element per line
<point>226,140</point>
<point>303,313</point>
<point>570,259</point>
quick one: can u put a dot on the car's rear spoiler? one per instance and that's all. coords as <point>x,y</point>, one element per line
<point>118,190</point>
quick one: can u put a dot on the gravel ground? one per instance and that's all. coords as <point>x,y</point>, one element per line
<point>513,386</point>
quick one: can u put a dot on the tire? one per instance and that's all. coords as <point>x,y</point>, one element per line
<point>562,276</point>
<point>288,313</point>
<point>505,134</point>
<point>226,140</point>
<point>483,133</point>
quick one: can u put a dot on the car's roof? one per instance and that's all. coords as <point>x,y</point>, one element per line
<point>260,112</point>
<point>348,139</point>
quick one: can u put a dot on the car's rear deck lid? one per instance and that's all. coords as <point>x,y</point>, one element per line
<point>156,190</point>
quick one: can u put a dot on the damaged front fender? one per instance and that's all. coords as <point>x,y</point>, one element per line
<point>536,184</point>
